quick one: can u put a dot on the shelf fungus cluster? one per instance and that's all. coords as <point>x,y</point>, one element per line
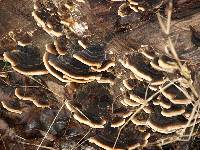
<point>167,105</point>
<point>129,6</point>
<point>83,66</point>
<point>130,139</point>
<point>19,100</point>
<point>92,107</point>
<point>18,50</point>
<point>128,102</point>
<point>58,18</point>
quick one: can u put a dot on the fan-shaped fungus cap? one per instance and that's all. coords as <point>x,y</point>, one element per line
<point>87,119</point>
<point>105,66</point>
<point>50,48</point>
<point>103,143</point>
<point>106,139</point>
<point>50,69</point>
<point>148,54</point>
<point>154,63</point>
<point>136,64</point>
<point>33,95</point>
<point>166,125</point>
<point>91,122</point>
<point>8,101</point>
<point>63,45</point>
<point>22,38</point>
<point>188,111</point>
<point>139,94</point>
<point>167,63</point>
<point>72,68</point>
<point>140,118</point>
<point>47,19</point>
<point>174,110</point>
<point>38,18</point>
<point>106,77</point>
<point>164,102</point>
<point>26,60</point>
<point>122,112</point>
<point>175,95</point>
<point>117,122</point>
<point>129,83</point>
<point>130,102</point>
<point>91,56</point>
<point>68,69</point>
<point>10,108</point>
<point>91,105</point>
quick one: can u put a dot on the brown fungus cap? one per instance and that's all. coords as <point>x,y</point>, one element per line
<point>130,138</point>
<point>117,122</point>
<point>89,121</point>
<point>33,95</point>
<point>167,63</point>
<point>8,101</point>
<point>50,48</point>
<point>175,95</point>
<point>140,118</point>
<point>10,107</point>
<point>22,38</point>
<point>154,63</point>
<point>86,118</point>
<point>138,94</point>
<point>91,56</point>
<point>47,19</point>
<point>72,68</point>
<point>105,66</point>
<point>164,102</point>
<point>166,125</point>
<point>103,143</point>
<point>107,77</point>
<point>63,45</point>
<point>130,102</point>
<point>50,69</point>
<point>91,105</point>
<point>148,54</point>
<point>136,63</point>
<point>69,69</point>
<point>129,83</point>
<point>26,60</point>
<point>122,112</point>
<point>174,110</point>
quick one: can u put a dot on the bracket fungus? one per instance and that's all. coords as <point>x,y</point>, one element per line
<point>91,105</point>
<point>47,19</point>
<point>33,95</point>
<point>128,7</point>
<point>166,108</point>
<point>9,101</point>
<point>26,60</point>
<point>57,19</point>
<point>136,6</point>
<point>106,139</point>
<point>78,68</point>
